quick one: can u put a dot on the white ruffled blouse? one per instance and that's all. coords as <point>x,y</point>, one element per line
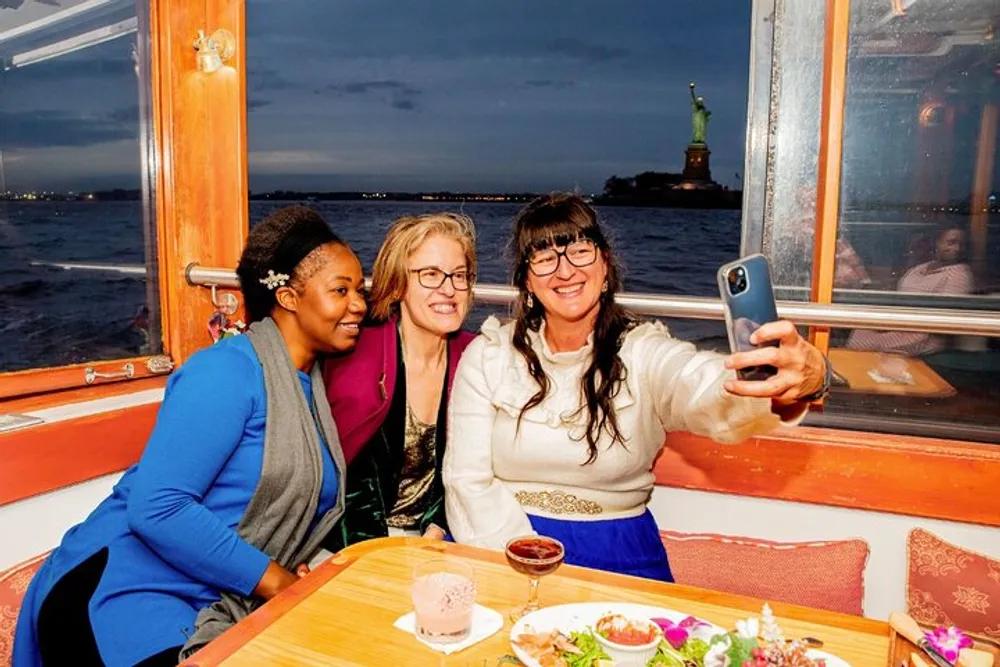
<point>495,473</point>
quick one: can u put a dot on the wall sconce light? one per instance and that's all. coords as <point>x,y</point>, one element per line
<point>214,50</point>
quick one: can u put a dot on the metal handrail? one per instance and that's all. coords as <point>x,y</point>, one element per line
<point>921,320</point>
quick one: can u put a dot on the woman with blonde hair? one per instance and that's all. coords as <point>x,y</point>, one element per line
<point>389,398</point>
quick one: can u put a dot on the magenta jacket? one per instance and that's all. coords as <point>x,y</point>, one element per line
<point>360,385</point>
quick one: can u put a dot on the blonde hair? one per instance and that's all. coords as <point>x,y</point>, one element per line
<point>390,274</point>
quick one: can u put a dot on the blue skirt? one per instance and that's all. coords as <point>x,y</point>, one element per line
<point>626,546</point>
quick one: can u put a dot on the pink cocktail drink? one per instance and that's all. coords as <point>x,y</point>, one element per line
<point>444,594</point>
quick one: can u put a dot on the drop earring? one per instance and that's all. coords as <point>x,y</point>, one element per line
<point>529,301</point>
<point>604,287</point>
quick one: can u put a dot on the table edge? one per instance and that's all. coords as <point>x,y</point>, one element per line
<point>239,635</point>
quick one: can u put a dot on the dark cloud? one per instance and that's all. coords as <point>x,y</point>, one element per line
<point>549,83</point>
<point>255,103</point>
<point>403,105</point>
<point>260,79</point>
<point>47,129</point>
<point>361,87</point>
<point>125,114</point>
<point>396,94</point>
<point>578,49</point>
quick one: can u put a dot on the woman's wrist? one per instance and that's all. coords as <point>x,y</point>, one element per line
<point>275,580</point>
<point>824,388</point>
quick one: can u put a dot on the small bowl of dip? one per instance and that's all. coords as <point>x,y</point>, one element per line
<point>630,642</point>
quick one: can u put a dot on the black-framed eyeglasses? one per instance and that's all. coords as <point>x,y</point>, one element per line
<point>579,253</point>
<point>432,278</point>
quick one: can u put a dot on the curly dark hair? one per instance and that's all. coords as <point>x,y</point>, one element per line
<point>557,219</point>
<point>284,242</point>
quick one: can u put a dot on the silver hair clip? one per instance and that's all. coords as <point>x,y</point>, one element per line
<point>274,280</point>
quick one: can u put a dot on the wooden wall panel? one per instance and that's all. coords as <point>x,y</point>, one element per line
<point>44,458</point>
<point>940,479</point>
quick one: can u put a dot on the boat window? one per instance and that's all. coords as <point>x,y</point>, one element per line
<point>366,117</point>
<point>78,270</point>
<point>919,222</point>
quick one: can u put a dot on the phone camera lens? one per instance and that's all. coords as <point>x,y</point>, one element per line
<point>737,279</point>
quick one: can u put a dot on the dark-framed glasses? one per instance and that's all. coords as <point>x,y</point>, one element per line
<point>432,278</point>
<point>579,253</point>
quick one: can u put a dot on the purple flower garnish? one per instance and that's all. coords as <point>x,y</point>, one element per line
<point>948,642</point>
<point>677,634</point>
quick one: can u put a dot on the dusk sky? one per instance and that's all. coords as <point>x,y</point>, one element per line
<point>406,95</point>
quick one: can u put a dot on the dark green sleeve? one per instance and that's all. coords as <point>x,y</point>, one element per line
<point>435,515</point>
<point>364,508</point>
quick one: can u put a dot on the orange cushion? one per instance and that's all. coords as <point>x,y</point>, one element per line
<point>949,585</point>
<point>13,583</point>
<point>823,575</point>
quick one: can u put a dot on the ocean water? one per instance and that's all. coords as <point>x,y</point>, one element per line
<point>51,316</point>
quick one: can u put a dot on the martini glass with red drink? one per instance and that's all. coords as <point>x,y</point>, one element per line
<point>534,556</point>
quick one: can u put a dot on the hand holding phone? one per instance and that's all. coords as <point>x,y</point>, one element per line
<point>748,297</point>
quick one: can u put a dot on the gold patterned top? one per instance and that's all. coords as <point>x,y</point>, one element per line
<point>416,480</point>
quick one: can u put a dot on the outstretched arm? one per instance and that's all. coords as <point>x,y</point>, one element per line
<point>698,391</point>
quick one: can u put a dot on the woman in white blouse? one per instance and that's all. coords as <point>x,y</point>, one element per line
<point>556,418</point>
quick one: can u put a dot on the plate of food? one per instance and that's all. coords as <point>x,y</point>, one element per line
<point>618,634</point>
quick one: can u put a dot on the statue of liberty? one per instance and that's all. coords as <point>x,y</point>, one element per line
<point>699,117</point>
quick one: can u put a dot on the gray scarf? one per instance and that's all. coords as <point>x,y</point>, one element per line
<point>284,503</point>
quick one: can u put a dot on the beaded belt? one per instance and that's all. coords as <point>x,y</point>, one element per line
<point>557,502</point>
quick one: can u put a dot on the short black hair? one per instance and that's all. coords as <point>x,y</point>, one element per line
<point>279,245</point>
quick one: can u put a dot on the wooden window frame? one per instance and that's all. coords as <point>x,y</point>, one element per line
<point>37,381</point>
<point>200,176</point>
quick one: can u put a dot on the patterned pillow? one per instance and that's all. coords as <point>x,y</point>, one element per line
<point>949,585</point>
<point>823,575</point>
<point>13,583</point>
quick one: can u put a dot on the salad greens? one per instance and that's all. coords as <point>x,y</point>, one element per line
<point>692,651</point>
<point>591,650</point>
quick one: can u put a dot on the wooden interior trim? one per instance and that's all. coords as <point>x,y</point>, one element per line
<point>45,380</point>
<point>831,146</point>
<point>242,633</point>
<point>981,187</point>
<point>79,395</point>
<point>201,184</point>
<point>44,458</point>
<point>924,477</point>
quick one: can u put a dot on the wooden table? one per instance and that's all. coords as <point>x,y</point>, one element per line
<point>342,613</point>
<point>854,365</point>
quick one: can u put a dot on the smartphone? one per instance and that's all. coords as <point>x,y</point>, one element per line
<point>745,287</point>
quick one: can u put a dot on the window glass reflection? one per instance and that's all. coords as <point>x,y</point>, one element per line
<point>918,209</point>
<point>77,248</point>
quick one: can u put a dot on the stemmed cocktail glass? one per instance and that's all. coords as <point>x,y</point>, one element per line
<point>535,556</point>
